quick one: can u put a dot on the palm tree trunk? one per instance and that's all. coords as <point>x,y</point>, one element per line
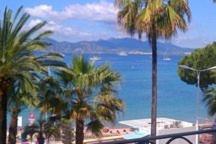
<point>13,127</point>
<point>79,131</point>
<point>67,135</point>
<point>154,84</point>
<point>41,139</point>
<point>3,110</point>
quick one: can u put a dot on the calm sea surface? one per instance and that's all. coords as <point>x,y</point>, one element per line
<point>176,99</point>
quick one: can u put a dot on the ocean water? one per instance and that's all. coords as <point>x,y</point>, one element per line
<point>176,99</point>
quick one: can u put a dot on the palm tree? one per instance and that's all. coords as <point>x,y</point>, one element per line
<point>92,96</point>
<point>18,61</point>
<point>15,110</point>
<point>51,97</point>
<point>210,100</point>
<point>67,136</point>
<point>157,19</point>
<point>16,104</point>
<point>30,130</point>
<point>13,125</point>
<point>20,97</point>
<point>43,129</point>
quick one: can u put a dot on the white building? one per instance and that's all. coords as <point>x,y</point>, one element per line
<point>164,126</point>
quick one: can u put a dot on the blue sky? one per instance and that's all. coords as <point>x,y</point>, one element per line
<point>76,20</point>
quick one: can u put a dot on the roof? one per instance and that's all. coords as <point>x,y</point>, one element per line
<point>162,123</point>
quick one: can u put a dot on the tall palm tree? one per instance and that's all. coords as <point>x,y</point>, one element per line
<point>18,61</point>
<point>92,96</point>
<point>14,109</point>
<point>13,125</point>
<point>157,19</point>
<point>22,96</point>
<point>16,103</point>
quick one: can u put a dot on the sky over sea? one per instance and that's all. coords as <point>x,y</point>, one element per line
<point>85,20</point>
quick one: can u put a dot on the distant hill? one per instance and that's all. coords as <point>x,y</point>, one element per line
<point>123,46</point>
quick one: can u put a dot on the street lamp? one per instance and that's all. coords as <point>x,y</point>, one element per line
<point>198,85</point>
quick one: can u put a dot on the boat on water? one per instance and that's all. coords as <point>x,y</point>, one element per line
<point>122,53</point>
<point>138,53</point>
<point>167,59</point>
<point>95,58</point>
<point>166,56</point>
<point>187,53</point>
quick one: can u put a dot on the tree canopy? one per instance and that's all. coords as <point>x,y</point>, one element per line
<point>93,95</point>
<point>149,16</point>
<point>199,59</point>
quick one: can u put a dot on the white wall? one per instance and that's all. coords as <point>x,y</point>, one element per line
<point>177,130</point>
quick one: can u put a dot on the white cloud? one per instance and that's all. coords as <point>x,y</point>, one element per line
<point>102,11</point>
<point>58,29</point>
<point>41,11</point>
<point>61,21</point>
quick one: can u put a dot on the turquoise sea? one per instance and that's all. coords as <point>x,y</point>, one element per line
<point>176,99</point>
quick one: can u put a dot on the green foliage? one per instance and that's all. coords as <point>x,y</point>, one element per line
<point>160,16</point>
<point>200,59</point>
<point>17,60</point>
<point>84,91</point>
<point>92,94</point>
<point>18,45</point>
<point>19,64</point>
<point>42,128</point>
<point>210,100</point>
<point>50,96</point>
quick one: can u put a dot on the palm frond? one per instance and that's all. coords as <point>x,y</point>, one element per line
<point>210,100</point>
<point>95,126</point>
<point>142,16</point>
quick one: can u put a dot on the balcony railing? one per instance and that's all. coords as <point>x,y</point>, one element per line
<point>171,138</point>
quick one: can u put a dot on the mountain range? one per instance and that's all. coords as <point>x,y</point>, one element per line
<point>122,46</point>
